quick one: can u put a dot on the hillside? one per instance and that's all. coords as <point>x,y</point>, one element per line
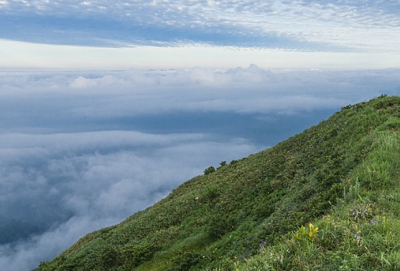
<point>325,199</point>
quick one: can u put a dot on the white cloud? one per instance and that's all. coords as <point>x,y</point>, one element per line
<point>103,96</point>
<point>27,255</point>
<point>4,3</point>
<point>82,82</point>
<point>97,187</point>
<point>17,55</point>
<point>327,26</point>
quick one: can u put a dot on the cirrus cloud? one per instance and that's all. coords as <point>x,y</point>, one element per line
<point>289,24</point>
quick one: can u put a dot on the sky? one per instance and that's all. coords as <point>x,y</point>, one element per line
<point>106,106</point>
<point>124,34</point>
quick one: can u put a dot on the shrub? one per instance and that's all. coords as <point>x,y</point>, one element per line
<point>209,170</point>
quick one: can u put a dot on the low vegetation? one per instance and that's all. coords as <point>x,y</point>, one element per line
<point>325,199</point>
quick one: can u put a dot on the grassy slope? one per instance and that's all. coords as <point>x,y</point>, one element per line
<point>341,175</point>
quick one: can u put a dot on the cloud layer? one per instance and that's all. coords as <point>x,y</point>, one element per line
<point>88,96</point>
<point>68,185</point>
<point>84,150</point>
<point>284,24</point>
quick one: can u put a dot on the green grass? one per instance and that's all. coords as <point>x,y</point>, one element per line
<point>253,214</point>
<point>361,232</point>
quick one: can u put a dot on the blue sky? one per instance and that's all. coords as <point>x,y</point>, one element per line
<point>106,106</point>
<point>143,34</point>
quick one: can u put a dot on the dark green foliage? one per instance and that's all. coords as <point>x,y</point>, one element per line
<point>217,226</point>
<point>209,170</point>
<point>333,171</point>
<point>109,257</point>
<point>185,261</point>
<point>135,255</point>
<point>222,164</point>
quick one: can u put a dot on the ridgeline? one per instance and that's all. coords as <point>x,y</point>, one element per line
<point>325,199</point>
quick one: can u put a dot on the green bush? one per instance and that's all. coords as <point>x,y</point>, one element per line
<point>137,254</point>
<point>185,261</point>
<point>209,170</point>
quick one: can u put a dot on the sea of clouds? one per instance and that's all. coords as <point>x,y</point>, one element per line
<point>82,150</point>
